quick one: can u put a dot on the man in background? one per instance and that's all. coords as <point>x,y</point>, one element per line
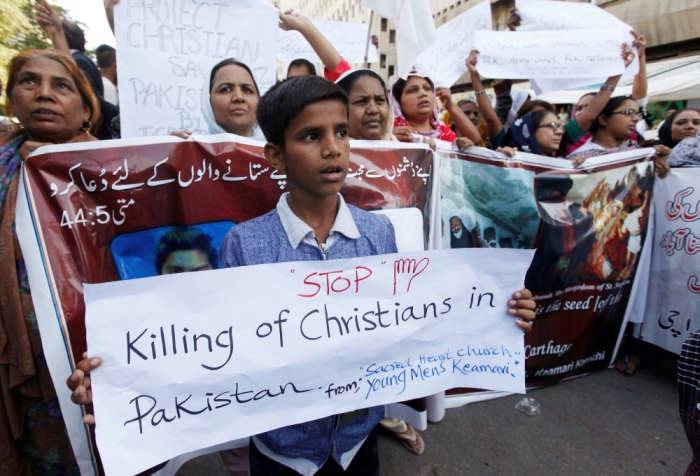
<point>76,42</point>
<point>107,62</point>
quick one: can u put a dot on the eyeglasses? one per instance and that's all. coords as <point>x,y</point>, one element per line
<point>555,126</point>
<point>629,113</point>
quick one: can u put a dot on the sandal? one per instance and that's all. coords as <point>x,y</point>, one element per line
<point>633,364</point>
<point>412,440</point>
<point>621,364</point>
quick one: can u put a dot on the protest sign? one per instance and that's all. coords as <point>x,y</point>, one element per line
<point>183,369</point>
<point>108,211</point>
<point>415,28</point>
<point>673,310</point>
<point>350,39</point>
<point>444,61</point>
<point>588,225</point>
<point>549,54</point>
<point>555,15</point>
<point>166,50</point>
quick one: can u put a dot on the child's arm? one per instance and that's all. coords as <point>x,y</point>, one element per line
<point>522,307</point>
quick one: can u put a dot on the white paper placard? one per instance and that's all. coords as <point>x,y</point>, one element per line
<point>350,39</point>
<point>166,50</point>
<point>557,15</point>
<point>196,359</point>
<point>444,62</point>
<point>549,54</point>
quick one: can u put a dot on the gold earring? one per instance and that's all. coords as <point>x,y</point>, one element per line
<point>87,125</point>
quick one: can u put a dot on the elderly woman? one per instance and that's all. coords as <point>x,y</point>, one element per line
<point>54,104</point>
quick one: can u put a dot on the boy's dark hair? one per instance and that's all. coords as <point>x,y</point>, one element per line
<point>400,85</point>
<point>609,108</point>
<point>185,238</point>
<point>228,62</point>
<point>74,35</point>
<point>310,68</point>
<point>286,99</point>
<point>106,56</point>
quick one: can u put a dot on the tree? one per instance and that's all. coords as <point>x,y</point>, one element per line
<point>19,31</point>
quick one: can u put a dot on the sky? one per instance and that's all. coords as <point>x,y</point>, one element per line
<point>92,14</point>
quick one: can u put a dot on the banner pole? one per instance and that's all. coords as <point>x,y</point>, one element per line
<point>369,37</point>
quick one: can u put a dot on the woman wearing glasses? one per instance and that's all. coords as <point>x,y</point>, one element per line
<point>539,132</point>
<point>614,130</point>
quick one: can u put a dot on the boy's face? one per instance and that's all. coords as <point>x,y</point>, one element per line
<point>317,150</point>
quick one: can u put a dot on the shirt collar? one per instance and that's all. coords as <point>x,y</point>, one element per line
<point>297,230</point>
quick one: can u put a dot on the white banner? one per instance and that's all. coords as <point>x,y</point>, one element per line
<point>415,28</point>
<point>444,62</point>
<point>166,50</point>
<point>549,54</point>
<point>196,359</point>
<point>673,305</point>
<point>350,39</point>
<point>556,15</point>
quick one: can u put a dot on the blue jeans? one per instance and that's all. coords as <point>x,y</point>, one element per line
<point>365,462</point>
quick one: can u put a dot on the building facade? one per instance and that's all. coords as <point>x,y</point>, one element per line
<point>670,26</point>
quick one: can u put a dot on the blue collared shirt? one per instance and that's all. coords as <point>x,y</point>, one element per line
<point>280,236</point>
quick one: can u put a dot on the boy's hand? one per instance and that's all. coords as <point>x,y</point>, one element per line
<point>523,308</point>
<point>80,385</point>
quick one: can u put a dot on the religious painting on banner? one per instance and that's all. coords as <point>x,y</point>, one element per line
<point>588,225</point>
<point>118,210</point>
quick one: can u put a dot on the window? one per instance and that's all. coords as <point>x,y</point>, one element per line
<point>384,24</point>
<point>392,36</point>
<point>382,61</point>
<point>391,70</point>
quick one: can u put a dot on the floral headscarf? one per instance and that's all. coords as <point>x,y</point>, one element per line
<point>521,135</point>
<point>440,129</point>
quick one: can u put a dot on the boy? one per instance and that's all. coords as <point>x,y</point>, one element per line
<point>305,120</point>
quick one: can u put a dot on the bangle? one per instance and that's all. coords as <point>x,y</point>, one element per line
<point>480,93</point>
<point>607,87</point>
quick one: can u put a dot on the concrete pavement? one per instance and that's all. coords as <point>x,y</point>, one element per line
<point>602,424</point>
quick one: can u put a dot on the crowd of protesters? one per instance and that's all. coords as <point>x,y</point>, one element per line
<point>60,95</point>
